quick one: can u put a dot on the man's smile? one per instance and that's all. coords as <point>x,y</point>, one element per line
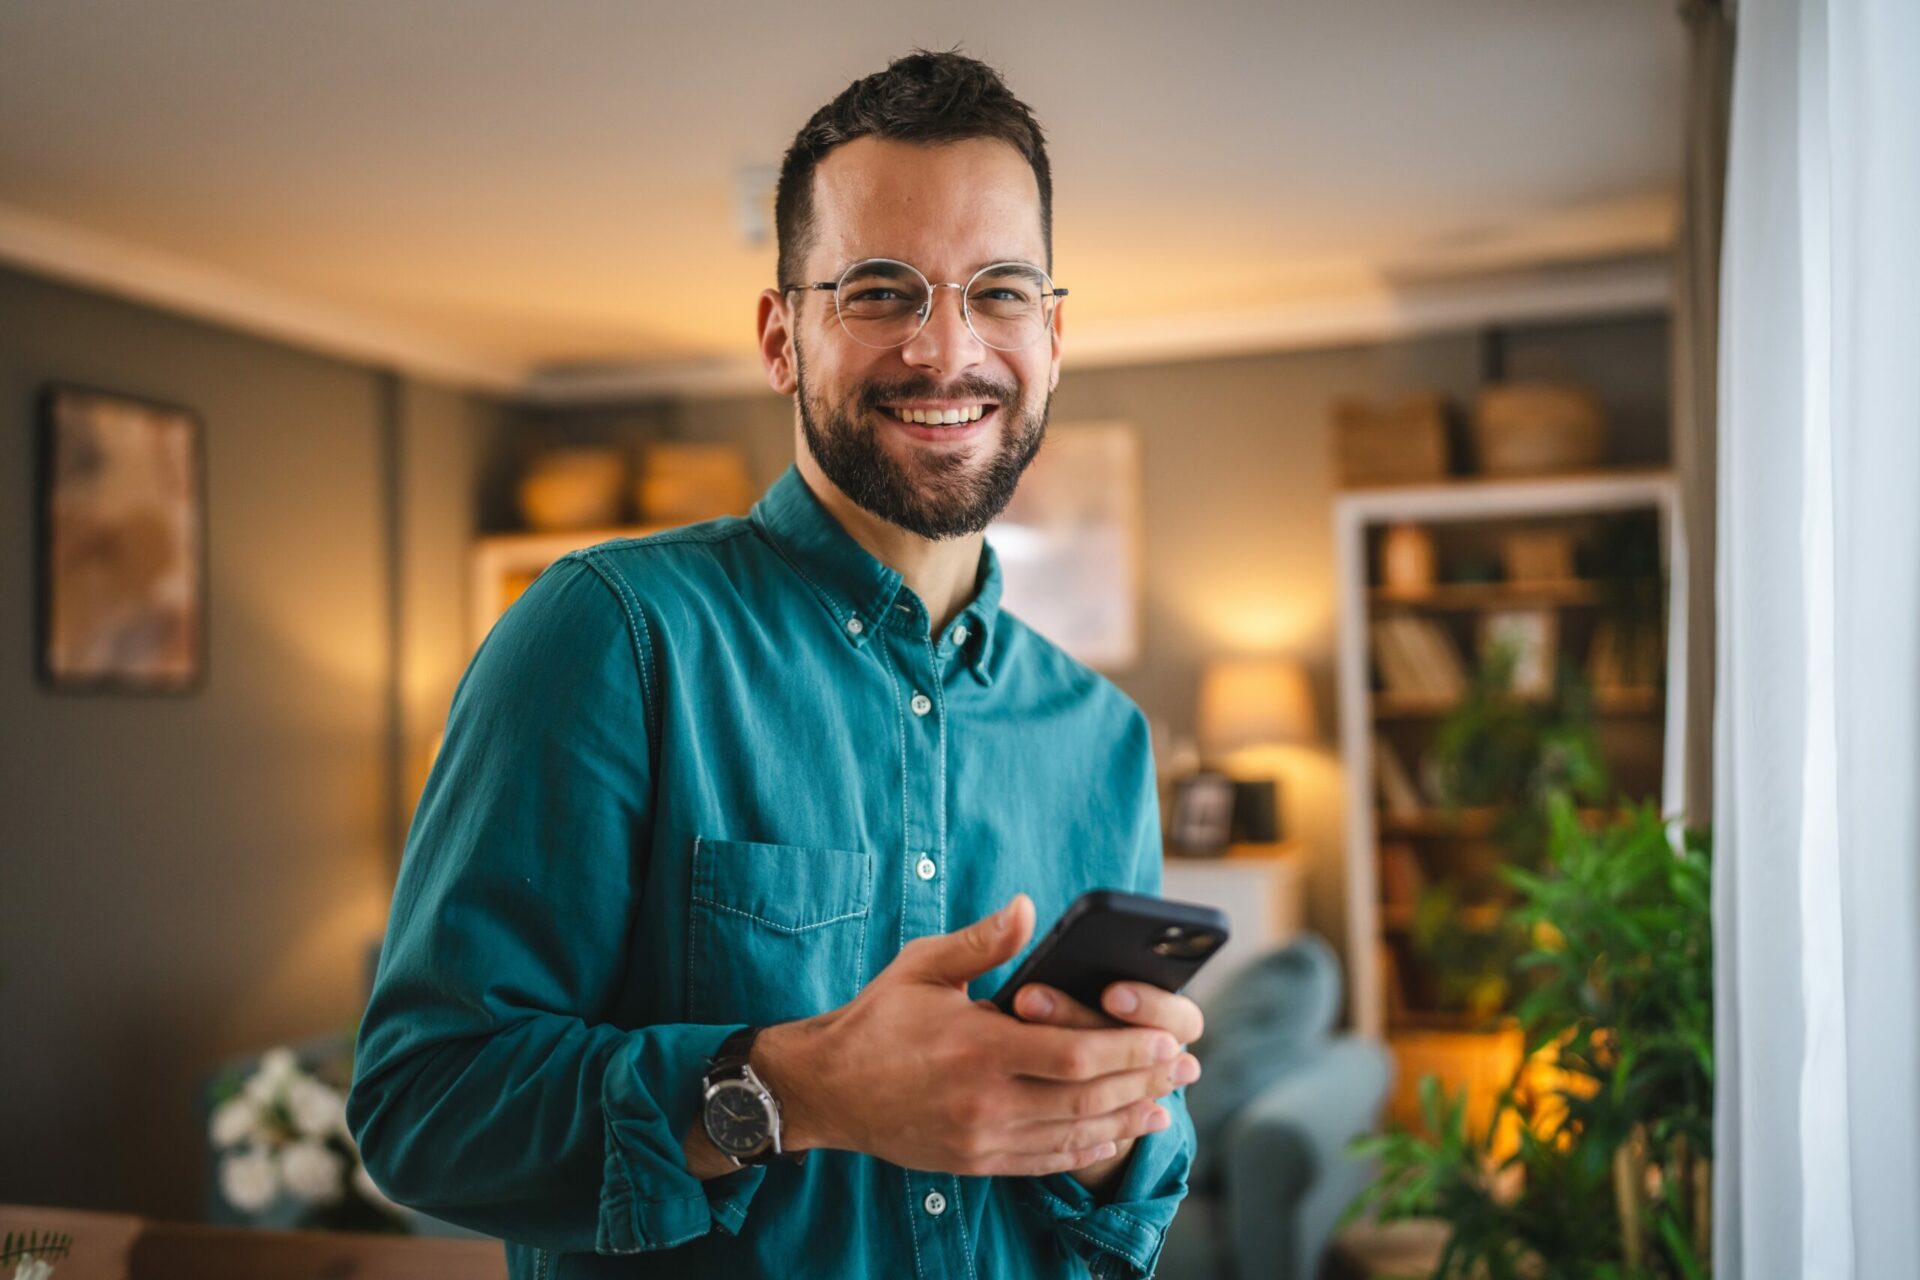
<point>943,421</point>
<point>940,412</point>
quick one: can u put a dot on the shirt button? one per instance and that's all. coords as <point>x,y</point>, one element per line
<point>921,704</point>
<point>960,634</point>
<point>936,1203</point>
<point>924,868</point>
<point>855,626</point>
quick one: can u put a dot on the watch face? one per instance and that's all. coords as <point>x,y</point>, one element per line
<point>737,1119</point>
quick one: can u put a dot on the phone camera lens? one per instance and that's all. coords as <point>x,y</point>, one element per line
<point>1176,942</point>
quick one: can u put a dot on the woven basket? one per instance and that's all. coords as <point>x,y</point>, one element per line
<point>1534,428</point>
<point>1404,442</point>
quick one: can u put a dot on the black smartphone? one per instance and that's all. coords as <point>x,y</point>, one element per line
<point>1108,936</point>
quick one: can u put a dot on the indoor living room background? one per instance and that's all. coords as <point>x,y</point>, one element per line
<point>1388,473</point>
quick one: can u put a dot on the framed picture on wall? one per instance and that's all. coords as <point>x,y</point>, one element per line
<point>1069,543</point>
<point>123,566</point>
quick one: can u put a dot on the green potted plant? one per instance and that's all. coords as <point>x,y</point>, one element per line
<point>33,1253</point>
<point>1510,756</point>
<point>1597,1165</point>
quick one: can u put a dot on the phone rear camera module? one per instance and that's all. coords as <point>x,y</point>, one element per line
<point>1176,942</point>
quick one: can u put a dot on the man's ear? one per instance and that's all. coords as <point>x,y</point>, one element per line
<point>776,342</point>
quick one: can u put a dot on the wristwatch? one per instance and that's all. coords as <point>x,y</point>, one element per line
<point>741,1115</point>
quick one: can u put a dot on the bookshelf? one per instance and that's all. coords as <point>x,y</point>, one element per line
<point>1404,656</point>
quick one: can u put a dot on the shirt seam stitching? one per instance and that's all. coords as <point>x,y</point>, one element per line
<point>639,634</point>
<point>670,538</point>
<point>775,924</point>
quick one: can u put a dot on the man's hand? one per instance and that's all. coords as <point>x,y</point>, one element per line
<point>916,1073</point>
<point>1137,1004</point>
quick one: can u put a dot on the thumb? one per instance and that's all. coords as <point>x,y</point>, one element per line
<point>967,953</point>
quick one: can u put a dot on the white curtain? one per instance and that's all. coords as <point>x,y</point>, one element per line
<point>1817,720</point>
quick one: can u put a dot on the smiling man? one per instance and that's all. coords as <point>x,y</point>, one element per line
<point>734,828</point>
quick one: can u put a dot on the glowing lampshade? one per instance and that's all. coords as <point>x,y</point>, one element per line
<point>1255,702</point>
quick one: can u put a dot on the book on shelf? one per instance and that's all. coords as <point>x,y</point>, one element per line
<point>1615,665</point>
<point>1401,879</point>
<point>1397,789</point>
<point>1397,672</point>
<point>1417,658</point>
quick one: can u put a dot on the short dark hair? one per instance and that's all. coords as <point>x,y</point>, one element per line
<point>923,97</point>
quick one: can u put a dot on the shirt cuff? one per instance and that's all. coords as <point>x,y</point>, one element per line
<point>649,1097</point>
<point>1121,1238</point>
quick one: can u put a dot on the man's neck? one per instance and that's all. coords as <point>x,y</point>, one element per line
<point>942,573</point>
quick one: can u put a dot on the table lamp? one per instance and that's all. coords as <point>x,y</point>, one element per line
<point>1255,702</point>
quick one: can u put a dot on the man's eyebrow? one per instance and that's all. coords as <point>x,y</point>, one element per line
<point>1021,263</point>
<point>892,267</point>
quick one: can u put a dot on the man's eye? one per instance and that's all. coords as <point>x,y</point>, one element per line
<point>1001,295</point>
<point>878,295</point>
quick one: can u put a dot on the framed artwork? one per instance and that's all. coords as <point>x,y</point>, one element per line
<point>1069,543</point>
<point>1202,818</point>
<point>1532,637</point>
<point>123,563</point>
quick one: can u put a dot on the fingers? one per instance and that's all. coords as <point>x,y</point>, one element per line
<point>1034,1166</point>
<point>956,957</point>
<point>1076,1053</point>
<point>1071,1135</point>
<point>1037,1002</point>
<point>1043,1100</point>
<point>1138,1004</point>
<point>1145,1005</point>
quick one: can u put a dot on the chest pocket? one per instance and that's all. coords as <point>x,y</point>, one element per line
<point>775,931</point>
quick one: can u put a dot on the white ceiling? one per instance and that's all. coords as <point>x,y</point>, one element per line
<point>499,187</point>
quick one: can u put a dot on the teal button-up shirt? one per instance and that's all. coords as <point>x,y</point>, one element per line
<point>718,776</point>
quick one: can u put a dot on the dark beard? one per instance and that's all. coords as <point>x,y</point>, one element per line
<point>941,497</point>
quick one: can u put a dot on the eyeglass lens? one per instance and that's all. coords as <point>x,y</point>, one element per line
<point>883,303</point>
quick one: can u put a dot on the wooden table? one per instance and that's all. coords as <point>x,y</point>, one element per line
<point>117,1246</point>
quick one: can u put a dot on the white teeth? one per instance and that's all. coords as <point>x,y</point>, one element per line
<point>942,417</point>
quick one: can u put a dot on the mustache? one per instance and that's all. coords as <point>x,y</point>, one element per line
<point>971,386</point>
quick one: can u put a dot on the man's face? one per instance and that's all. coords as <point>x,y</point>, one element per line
<point>947,209</point>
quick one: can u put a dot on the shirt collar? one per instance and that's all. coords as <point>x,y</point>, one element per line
<point>857,588</point>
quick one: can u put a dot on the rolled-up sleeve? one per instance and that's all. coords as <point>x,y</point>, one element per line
<point>493,1087</point>
<point>1119,1236</point>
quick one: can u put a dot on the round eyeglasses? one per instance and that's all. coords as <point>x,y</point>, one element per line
<point>883,302</point>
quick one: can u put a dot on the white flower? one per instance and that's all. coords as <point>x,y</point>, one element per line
<point>277,1067</point>
<point>34,1269</point>
<point>248,1180</point>
<point>312,1171</point>
<point>318,1109</point>
<point>234,1121</point>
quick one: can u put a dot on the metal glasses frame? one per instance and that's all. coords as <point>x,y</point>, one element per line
<point>926,310</point>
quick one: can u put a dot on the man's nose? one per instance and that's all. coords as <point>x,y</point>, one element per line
<point>945,345</point>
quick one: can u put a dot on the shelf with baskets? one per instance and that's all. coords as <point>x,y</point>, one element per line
<point>1528,567</point>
